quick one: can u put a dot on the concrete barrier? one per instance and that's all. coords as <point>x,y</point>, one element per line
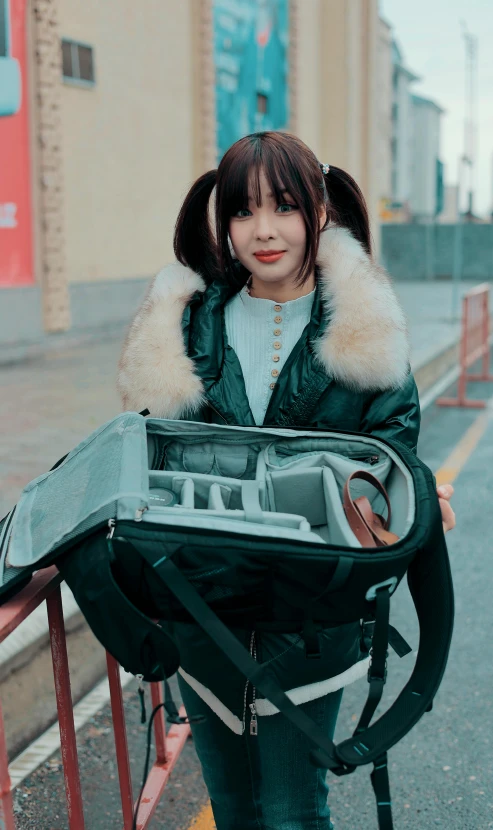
<point>436,252</point>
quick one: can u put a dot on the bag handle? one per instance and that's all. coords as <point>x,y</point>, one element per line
<point>370,529</point>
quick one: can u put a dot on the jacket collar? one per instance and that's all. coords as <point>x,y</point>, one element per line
<point>358,331</point>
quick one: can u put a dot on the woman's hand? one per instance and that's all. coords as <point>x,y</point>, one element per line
<point>445,493</point>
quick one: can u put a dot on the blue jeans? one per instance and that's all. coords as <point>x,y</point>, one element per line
<point>263,782</point>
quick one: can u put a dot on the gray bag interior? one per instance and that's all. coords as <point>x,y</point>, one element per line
<point>264,482</point>
<point>297,477</point>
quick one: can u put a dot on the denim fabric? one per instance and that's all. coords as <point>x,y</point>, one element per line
<point>263,782</point>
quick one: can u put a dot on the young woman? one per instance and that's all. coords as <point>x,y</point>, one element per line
<point>280,316</point>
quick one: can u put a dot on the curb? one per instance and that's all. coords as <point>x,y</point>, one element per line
<point>438,364</point>
<point>13,355</point>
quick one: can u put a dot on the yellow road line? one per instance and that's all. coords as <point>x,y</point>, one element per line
<point>447,473</point>
<point>452,466</point>
<point>204,820</point>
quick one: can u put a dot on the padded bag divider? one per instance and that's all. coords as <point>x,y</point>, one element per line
<point>313,492</point>
<point>298,491</point>
<point>403,506</point>
<point>201,483</point>
<point>250,497</point>
<point>342,467</point>
<point>219,497</point>
<point>279,525</point>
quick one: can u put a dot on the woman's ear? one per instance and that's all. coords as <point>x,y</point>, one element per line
<point>323,217</point>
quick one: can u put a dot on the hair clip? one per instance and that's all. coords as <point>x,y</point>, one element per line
<point>325,168</point>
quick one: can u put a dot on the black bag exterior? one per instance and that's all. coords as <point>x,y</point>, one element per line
<point>264,583</point>
<point>135,640</point>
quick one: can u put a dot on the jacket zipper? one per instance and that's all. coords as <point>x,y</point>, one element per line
<point>216,411</point>
<point>252,706</point>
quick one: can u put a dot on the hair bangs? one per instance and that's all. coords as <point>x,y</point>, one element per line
<point>290,168</point>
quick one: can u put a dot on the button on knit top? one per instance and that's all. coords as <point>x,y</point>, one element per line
<point>263,334</point>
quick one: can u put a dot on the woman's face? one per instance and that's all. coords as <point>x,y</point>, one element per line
<point>270,239</point>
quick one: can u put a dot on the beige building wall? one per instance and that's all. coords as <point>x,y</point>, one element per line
<point>384,111</point>
<point>114,161</point>
<point>132,143</point>
<point>308,77</point>
<point>337,87</point>
<point>128,148</point>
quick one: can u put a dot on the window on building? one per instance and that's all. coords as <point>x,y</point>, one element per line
<point>77,63</point>
<point>261,103</point>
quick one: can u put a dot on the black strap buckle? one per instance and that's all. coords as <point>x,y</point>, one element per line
<point>311,637</point>
<point>376,677</point>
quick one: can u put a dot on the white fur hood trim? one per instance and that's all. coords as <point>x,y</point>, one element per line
<point>155,371</point>
<point>365,346</point>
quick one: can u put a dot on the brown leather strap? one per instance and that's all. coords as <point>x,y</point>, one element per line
<point>370,529</point>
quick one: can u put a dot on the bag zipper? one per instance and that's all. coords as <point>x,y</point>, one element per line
<point>7,531</point>
<point>362,456</point>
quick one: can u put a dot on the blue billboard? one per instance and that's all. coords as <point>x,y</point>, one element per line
<point>251,40</point>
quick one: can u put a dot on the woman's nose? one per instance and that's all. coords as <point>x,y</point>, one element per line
<point>264,227</point>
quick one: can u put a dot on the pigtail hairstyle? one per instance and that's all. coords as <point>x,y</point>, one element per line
<point>194,243</point>
<point>346,205</point>
<point>289,166</point>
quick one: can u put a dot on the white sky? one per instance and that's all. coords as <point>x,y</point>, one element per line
<point>429,34</point>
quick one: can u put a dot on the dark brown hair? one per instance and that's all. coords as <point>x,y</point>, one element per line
<point>289,165</point>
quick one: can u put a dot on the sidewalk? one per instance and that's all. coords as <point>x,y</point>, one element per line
<point>428,307</point>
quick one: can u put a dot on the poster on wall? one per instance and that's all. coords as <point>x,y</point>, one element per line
<point>251,40</point>
<point>16,266</point>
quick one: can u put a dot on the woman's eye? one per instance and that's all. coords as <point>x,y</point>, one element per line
<point>243,213</point>
<point>286,207</point>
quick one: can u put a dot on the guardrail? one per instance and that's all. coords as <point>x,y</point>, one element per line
<point>474,346</point>
<point>45,586</point>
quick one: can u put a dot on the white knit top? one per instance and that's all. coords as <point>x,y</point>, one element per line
<point>263,334</point>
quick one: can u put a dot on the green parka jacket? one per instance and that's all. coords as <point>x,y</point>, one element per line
<point>349,371</point>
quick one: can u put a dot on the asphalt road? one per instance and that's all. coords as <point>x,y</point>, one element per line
<point>441,773</point>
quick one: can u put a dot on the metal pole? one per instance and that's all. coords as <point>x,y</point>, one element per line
<point>6,803</point>
<point>157,697</point>
<point>458,248</point>
<point>65,711</point>
<point>430,250</point>
<point>121,745</point>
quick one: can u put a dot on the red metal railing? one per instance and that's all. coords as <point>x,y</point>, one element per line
<point>474,345</point>
<point>45,585</point>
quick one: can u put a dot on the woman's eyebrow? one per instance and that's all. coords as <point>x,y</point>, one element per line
<point>270,195</point>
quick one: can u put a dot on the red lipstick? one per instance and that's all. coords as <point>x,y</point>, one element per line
<point>269,256</point>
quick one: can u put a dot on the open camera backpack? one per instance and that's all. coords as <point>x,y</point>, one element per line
<point>242,526</point>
